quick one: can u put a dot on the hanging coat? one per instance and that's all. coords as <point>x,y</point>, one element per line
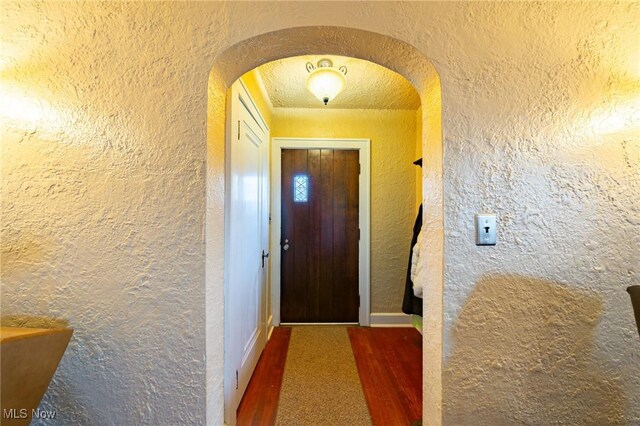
<point>410,303</point>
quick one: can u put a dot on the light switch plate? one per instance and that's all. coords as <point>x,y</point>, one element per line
<point>486,229</point>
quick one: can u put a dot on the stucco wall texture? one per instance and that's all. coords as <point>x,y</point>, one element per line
<point>392,134</point>
<point>103,197</point>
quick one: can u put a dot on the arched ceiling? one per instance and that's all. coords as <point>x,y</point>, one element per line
<point>369,85</point>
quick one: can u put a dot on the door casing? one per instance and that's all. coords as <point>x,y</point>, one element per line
<point>364,149</point>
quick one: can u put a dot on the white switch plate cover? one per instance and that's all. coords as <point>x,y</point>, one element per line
<point>486,229</point>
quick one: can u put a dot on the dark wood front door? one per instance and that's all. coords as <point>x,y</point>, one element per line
<point>320,235</point>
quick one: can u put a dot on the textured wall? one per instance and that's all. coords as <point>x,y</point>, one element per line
<point>103,205</point>
<point>103,194</point>
<point>392,134</point>
<point>542,126</point>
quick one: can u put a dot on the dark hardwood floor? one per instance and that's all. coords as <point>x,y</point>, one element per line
<point>259,404</point>
<point>389,362</point>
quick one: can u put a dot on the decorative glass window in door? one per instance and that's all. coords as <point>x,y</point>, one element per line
<point>301,188</point>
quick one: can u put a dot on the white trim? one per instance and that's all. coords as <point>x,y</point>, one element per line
<point>245,97</point>
<point>364,148</point>
<point>390,319</point>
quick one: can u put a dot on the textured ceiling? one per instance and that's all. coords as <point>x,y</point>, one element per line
<point>369,85</point>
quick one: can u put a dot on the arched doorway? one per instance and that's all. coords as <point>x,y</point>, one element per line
<point>383,50</point>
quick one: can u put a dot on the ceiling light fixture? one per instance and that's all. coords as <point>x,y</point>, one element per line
<point>325,81</point>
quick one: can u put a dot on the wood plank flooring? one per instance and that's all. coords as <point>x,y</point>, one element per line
<point>389,362</point>
<point>259,404</point>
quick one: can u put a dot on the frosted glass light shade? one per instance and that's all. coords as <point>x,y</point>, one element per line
<point>326,83</point>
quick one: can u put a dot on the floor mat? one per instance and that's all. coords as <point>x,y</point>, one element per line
<point>321,385</point>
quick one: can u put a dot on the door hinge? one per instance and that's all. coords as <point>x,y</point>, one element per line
<point>359,168</point>
<point>358,301</point>
<point>237,385</point>
<point>238,129</point>
<point>358,234</point>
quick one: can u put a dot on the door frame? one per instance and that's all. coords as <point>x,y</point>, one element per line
<point>364,212</point>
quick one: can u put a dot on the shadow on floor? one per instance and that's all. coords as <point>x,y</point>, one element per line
<point>522,355</point>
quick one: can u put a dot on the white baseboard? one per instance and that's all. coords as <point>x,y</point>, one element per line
<point>390,319</point>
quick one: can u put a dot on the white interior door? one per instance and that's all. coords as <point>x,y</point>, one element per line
<point>246,233</point>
